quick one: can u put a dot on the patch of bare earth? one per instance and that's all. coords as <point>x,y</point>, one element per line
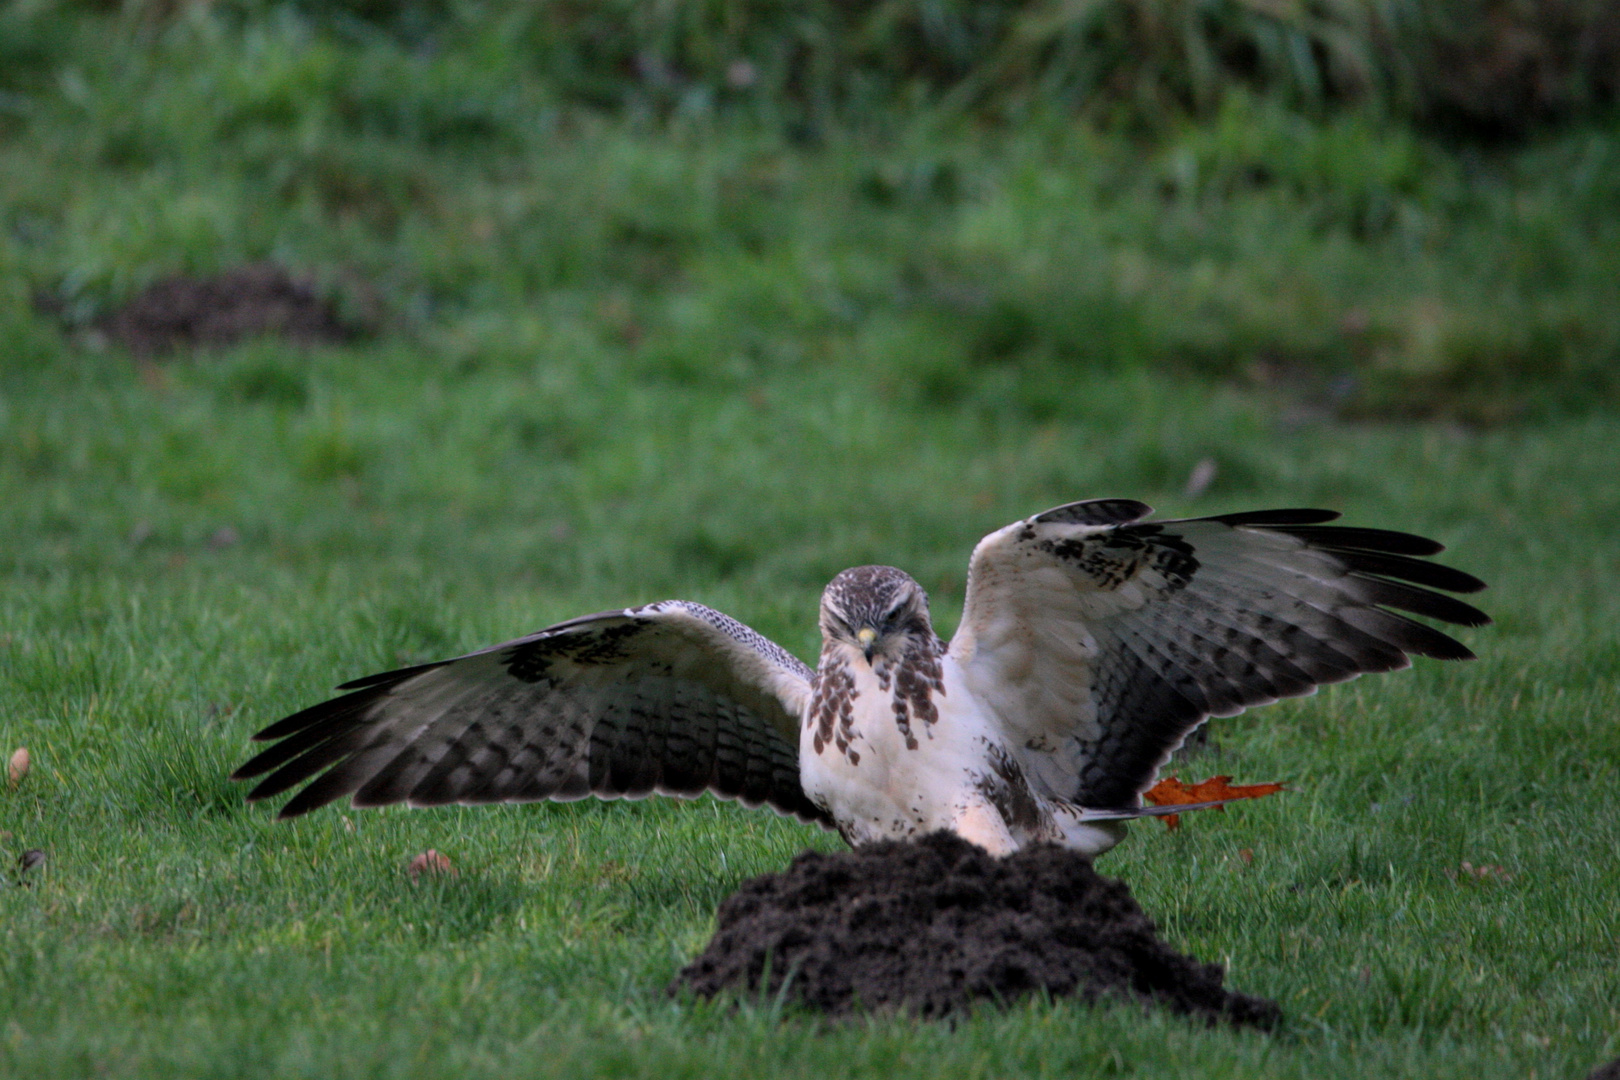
<point>257,300</point>
<point>933,926</point>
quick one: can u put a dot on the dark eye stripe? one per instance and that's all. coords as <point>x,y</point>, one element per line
<point>840,625</point>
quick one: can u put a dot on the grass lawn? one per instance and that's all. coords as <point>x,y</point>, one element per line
<point>626,364</point>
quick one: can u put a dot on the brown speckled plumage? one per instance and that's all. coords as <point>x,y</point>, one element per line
<point>917,679</point>
<point>832,708</point>
<point>1091,643</point>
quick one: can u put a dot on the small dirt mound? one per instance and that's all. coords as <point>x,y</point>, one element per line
<point>262,299</point>
<point>1611,1071</point>
<point>931,926</point>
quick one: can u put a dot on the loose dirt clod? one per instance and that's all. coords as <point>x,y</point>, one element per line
<point>931,926</point>
<point>248,301</point>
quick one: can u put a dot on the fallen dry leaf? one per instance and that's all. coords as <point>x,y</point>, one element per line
<point>18,767</point>
<point>1172,792</point>
<point>430,862</point>
<point>1483,872</point>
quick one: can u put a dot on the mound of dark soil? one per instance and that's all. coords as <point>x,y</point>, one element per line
<point>931,926</point>
<point>1611,1071</point>
<point>262,299</point>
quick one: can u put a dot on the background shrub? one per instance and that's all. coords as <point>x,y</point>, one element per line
<point>1475,67</point>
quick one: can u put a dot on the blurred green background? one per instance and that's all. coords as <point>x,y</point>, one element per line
<point>1384,208</point>
<point>708,299</point>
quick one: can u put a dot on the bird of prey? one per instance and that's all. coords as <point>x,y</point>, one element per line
<point>1092,642</point>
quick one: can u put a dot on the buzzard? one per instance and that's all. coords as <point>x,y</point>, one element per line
<point>1092,642</point>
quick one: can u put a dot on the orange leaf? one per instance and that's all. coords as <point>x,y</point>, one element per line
<point>1172,792</point>
<point>430,862</point>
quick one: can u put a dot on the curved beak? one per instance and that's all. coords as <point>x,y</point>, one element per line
<point>868,639</point>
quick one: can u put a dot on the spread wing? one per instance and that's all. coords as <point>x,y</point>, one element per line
<point>1101,641</point>
<point>673,698</point>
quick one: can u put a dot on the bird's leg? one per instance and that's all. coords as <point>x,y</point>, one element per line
<point>978,822</point>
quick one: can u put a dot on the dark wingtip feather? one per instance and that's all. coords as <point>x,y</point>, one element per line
<point>348,714</point>
<point>1299,516</point>
<point>1464,614</point>
<point>253,766</point>
<point>1436,646</point>
<point>1095,512</point>
<point>1434,575</point>
<point>395,676</point>
<point>1433,605</point>
<point>360,691</point>
<point>1408,635</point>
<point>321,713</point>
<point>1449,648</point>
<point>1456,580</point>
<point>1467,615</point>
<point>330,787</point>
<point>265,790</point>
<point>1354,538</point>
<point>291,725</point>
<point>305,718</point>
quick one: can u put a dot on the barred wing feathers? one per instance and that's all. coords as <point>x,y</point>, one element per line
<point>1101,640</point>
<point>674,698</point>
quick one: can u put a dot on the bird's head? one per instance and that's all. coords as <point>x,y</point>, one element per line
<point>877,611</point>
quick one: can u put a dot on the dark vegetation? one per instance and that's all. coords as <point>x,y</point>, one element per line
<point>1493,68</point>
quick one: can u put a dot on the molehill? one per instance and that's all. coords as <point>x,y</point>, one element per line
<point>261,299</point>
<point>931,926</point>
